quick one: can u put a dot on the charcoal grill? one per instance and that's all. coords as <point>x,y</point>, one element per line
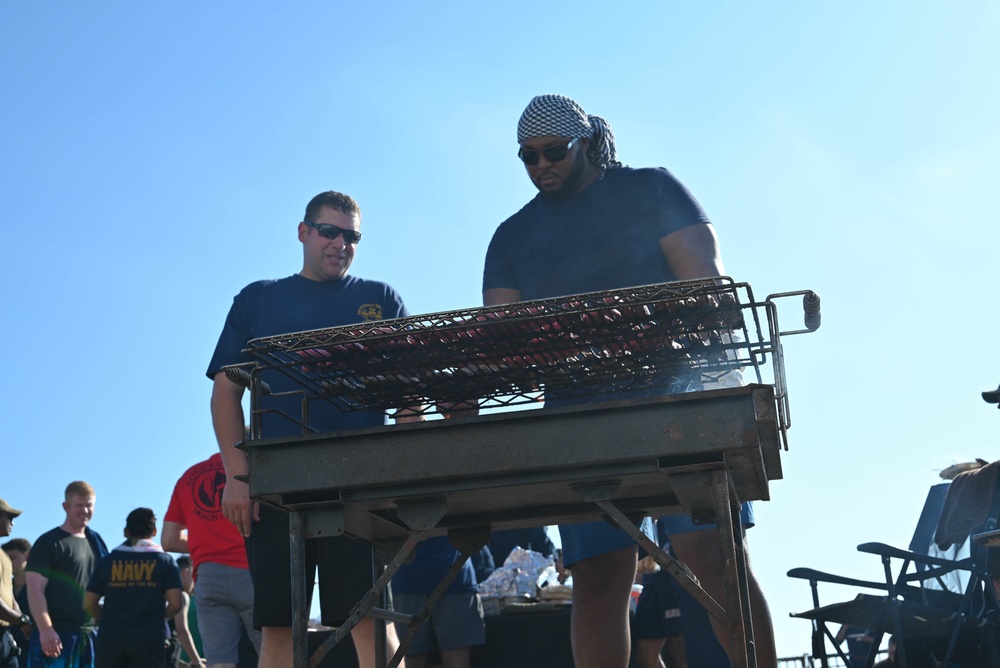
<point>650,418</point>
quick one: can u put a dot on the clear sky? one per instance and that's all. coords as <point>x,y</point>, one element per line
<point>155,158</point>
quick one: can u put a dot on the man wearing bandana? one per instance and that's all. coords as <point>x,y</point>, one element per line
<point>599,225</point>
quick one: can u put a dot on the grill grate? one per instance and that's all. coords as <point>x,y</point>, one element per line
<point>668,337</point>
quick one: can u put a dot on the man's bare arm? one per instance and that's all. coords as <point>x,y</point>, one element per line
<point>49,639</point>
<point>10,614</point>
<point>228,421</point>
<point>494,296</point>
<point>184,632</point>
<point>174,602</point>
<point>693,252</point>
<point>174,538</point>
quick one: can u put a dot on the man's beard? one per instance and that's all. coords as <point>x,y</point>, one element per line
<point>571,184</point>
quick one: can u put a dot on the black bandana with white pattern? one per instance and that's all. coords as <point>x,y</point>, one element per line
<point>559,116</point>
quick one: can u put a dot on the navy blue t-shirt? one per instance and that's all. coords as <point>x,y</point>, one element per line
<point>133,583</point>
<point>603,238</point>
<point>297,304</point>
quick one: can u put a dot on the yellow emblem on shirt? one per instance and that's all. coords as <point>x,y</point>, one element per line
<point>369,312</point>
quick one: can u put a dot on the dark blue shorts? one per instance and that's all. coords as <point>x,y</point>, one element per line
<point>678,524</point>
<point>658,614</point>
<point>78,651</point>
<point>592,539</point>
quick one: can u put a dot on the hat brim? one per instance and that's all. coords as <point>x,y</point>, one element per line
<point>992,397</point>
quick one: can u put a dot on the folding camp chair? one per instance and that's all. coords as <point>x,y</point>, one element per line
<point>933,626</point>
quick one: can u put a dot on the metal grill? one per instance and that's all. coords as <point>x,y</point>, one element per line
<point>662,338</point>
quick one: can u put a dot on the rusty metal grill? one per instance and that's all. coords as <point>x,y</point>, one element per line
<point>660,338</point>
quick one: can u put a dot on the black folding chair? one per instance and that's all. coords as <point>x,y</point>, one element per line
<point>933,626</point>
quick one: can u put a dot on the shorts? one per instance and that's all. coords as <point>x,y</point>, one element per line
<point>592,539</point>
<point>78,651</point>
<point>140,647</point>
<point>224,596</point>
<point>456,621</point>
<point>677,524</point>
<point>658,614</point>
<point>345,572</point>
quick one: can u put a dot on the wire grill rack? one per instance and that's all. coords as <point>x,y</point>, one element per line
<point>669,337</point>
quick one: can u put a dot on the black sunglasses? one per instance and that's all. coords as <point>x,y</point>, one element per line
<point>332,232</point>
<point>556,153</point>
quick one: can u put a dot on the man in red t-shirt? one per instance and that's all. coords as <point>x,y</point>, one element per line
<point>223,593</point>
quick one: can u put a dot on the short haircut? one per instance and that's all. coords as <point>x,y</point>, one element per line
<point>79,488</point>
<point>17,544</point>
<point>183,562</point>
<point>141,523</point>
<point>335,200</point>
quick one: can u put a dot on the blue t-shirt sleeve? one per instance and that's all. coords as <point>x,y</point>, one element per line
<point>235,333</point>
<point>498,272</point>
<point>676,206</point>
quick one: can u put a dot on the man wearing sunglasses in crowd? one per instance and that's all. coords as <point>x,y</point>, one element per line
<point>597,225</point>
<point>321,295</point>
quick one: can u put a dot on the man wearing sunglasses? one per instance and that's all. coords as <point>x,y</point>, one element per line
<point>321,295</point>
<point>596,225</point>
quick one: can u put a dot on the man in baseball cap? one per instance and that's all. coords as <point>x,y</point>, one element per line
<point>10,612</point>
<point>6,509</point>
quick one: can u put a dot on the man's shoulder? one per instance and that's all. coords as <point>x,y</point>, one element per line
<point>638,175</point>
<point>358,283</point>
<point>269,285</point>
<point>51,536</point>
<point>212,463</point>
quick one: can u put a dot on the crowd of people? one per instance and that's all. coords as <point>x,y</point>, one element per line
<point>595,224</point>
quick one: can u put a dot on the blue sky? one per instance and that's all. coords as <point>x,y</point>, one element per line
<point>155,159</point>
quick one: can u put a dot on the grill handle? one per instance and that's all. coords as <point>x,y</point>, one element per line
<point>810,309</point>
<point>810,305</point>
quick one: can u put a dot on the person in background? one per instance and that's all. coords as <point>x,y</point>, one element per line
<point>11,616</point>
<point>597,225</point>
<point>321,295</point>
<point>890,660</point>
<point>134,580</point>
<point>62,562</point>
<point>184,648</point>
<point>658,624</point>
<point>859,643</point>
<point>456,623</point>
<point>223,591</point>
<point>18,550</point>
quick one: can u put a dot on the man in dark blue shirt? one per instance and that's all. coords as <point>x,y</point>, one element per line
<point>321,295</point>
<point>599,225</point>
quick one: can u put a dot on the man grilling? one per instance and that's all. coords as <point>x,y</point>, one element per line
<point>323,294</point>
<point>599,225</point>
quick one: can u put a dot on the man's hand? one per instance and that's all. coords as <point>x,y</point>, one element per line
<point>51,643</point>
<point>456,409</point>
<point>238,508</point>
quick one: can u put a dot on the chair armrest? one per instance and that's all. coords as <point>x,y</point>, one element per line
<point>884,550</point>
<point>990,539</point>
<point>819,576</point>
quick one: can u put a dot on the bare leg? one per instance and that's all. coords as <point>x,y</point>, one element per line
<point>701,551</point>
<point>599,622</point>
<point>276,644</point>
<point>647,652</point>
<point>460,657</point>
<point>363,636</point>
<point>417,660</point>
<point>275,647</point>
